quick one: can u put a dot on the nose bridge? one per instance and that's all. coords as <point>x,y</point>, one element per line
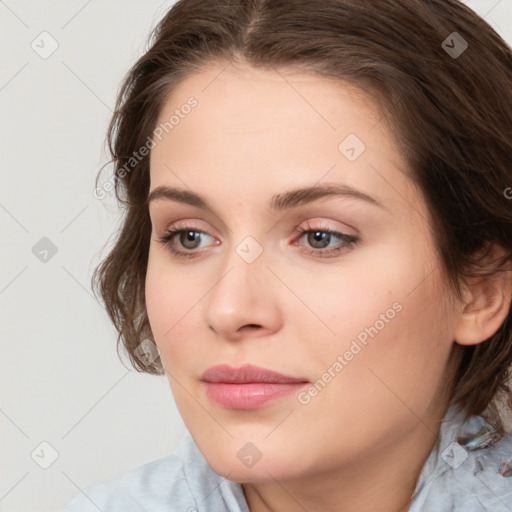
<point>241,296</point>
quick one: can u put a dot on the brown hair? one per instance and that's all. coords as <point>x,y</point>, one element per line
<point>450,113</point>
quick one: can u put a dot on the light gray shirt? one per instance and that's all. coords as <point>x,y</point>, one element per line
<point>455,477</point>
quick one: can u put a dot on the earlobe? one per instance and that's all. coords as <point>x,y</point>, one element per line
<point>486,306</point>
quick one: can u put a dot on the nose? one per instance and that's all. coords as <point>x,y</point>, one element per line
<point>243,302</point>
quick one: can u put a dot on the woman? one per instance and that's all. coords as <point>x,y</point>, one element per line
<point>317,253</point>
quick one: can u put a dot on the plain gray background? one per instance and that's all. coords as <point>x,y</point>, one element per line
<point>62,382</point>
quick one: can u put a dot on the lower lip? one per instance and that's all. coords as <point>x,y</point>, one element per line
<point>249,396</point>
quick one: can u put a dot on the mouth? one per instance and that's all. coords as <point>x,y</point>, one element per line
<point>248,387</point>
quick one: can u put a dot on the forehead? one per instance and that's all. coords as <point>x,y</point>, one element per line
<point>242,99</point>
<point>254,127</point>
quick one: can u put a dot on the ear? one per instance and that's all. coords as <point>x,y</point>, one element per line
<point>484,309</point>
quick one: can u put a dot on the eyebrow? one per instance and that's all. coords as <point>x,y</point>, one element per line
<point>279,202</point>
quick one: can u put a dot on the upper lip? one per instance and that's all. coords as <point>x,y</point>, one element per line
<point>245,374</point>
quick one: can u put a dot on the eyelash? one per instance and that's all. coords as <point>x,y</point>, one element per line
<point>348,241</point>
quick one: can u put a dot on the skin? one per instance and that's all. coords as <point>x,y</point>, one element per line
<point>360,443</point>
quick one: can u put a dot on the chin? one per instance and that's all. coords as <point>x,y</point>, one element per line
<point>268,468</point>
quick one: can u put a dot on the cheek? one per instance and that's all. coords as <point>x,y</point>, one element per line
<point>388,316</point>
<point>392,379</point>
<point>372,291</point>
<point>402,363</point>
<point>170,301</point>
<point>158,298</point>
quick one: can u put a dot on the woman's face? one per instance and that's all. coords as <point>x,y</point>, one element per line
<point>357,319</point>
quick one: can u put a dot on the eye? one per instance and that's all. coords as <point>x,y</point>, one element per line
<point>186,237</point>
<point>318,240</point>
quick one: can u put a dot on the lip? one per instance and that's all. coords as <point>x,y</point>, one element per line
<point>248,386</point>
